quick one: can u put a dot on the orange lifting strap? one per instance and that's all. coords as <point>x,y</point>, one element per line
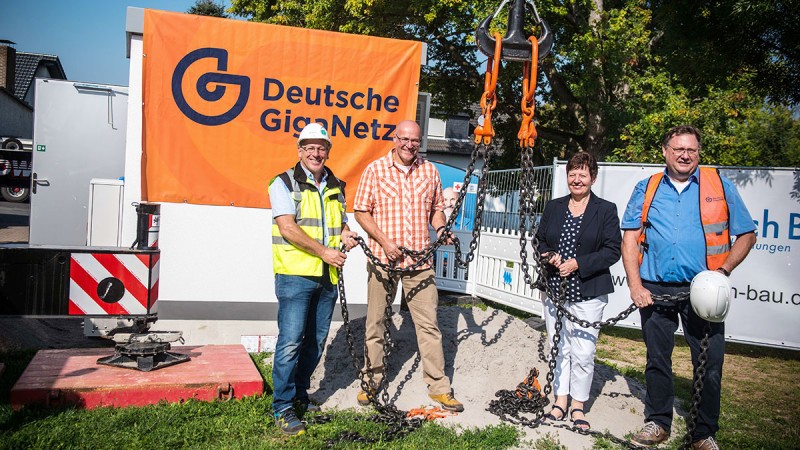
<point>530,387</point>
<point>430,413</point>
<point>527,130</point>
<point>484,132</point>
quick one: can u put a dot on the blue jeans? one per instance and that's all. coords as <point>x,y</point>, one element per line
<point>659,323</point>
<point>305,308</point>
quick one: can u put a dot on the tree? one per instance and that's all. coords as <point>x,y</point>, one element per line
<point>207,8</point>
<point>620,74</point>
<point>452,75</point>
<point>706,41</point>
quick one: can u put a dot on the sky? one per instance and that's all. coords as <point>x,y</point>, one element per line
<point>88,36</point>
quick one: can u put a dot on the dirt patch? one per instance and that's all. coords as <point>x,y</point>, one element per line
<point>485,351</point>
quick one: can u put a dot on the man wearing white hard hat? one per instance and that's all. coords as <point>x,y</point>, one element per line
<point>309,225</point>
<point>678,224</point>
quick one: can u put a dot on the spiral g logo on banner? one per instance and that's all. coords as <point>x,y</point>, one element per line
<point>224,102</point>
<point>219,79</point>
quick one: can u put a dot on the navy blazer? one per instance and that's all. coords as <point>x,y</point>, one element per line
<point>598,244</point>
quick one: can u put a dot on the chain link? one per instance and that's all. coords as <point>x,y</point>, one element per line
<point>398,424</point>
<point>509,406</point>
<point>697,388</point>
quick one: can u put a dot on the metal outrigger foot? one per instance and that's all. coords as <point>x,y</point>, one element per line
<point>145,352</point>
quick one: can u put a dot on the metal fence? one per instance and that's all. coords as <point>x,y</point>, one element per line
<point>496,269</point>
<point>501,205</point>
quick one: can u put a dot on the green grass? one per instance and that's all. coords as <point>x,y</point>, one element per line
<point>760,394</point>
<point>759,411</point>
<point>240,424</point>
<point>522,315</point>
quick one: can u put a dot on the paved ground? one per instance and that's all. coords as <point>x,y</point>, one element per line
<point>14,219</point>
<point>13,235</point>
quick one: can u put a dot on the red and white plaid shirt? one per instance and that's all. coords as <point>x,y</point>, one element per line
<point>401,203</point>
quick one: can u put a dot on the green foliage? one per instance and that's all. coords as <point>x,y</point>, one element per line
<point>239,424</point>
<point>207,8</point>
<point>621,72</point>
<point>705,42</point>
<point>738,130</point>
<point>759,410</point>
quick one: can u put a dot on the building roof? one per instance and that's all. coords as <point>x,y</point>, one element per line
<point>455,146</point>
<point>28,64</point>
<point>10,95</point>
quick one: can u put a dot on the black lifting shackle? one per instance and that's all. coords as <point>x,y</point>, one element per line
<point>516,46</point>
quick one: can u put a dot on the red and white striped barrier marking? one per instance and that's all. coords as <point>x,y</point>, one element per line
<point>152,230</point>
<point>113,284</point>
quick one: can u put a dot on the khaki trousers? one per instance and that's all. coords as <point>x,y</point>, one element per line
<point>419,289</point>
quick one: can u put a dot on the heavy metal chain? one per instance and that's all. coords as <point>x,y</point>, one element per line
<point>423,256</point>
<point>697,390</point>
<point>483,183</point>
<point>624,314</point>
<point>508,406</point>
<point>527,221</point>
<point>397,421</point>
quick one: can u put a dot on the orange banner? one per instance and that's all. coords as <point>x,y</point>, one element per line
<point>224,102</point>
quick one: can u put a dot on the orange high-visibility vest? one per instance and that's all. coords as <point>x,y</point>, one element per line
<point>714,216</point>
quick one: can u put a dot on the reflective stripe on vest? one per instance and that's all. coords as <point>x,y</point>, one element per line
<point>290,260</point>
<point>714,216</point>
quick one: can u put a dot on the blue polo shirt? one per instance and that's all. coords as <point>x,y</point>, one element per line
<point>677,249</point>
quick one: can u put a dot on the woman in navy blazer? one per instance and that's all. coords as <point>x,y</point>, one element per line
<point>581,232</point>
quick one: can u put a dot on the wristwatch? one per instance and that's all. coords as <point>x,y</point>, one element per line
<point>724,271</point>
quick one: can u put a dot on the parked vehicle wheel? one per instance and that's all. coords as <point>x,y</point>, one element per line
<point>12,144</point>
<point>15,194</point>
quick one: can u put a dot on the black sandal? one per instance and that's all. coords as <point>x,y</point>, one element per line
<point>580,423</point>
<point>550,416</point>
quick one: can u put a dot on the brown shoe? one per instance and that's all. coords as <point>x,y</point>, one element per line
<point>363,398</point>
<point>652,434</point>
<point>708,443</point>
<point>448,401</point>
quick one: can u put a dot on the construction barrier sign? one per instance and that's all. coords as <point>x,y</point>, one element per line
<point>225,100</point>
<point>109,284</point>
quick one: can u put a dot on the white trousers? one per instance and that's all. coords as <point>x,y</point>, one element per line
<point>575,360</point>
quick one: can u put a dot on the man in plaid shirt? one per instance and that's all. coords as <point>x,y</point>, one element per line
<point>398,196</point>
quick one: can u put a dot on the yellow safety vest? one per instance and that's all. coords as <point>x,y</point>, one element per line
<point>290,260</point>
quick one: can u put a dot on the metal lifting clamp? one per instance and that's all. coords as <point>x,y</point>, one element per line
<point>513,47</point>
<point>516,46</point>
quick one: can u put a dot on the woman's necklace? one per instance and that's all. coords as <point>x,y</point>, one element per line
<point>577,207</point>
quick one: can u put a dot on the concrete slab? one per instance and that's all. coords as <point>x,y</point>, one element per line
<point>73,377</point>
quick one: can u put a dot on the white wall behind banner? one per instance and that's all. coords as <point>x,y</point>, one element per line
<point>216,261</point>
<point>766,286</point>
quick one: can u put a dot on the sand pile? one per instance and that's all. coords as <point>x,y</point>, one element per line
<point>485,351</point>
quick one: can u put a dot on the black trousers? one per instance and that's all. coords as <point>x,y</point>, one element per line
<point>659,323</point>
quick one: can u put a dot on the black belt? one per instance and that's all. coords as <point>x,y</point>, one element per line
<point>680,284</point>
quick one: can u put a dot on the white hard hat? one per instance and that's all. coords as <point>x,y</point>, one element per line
<point>314,131</point>
<point>710,295</point>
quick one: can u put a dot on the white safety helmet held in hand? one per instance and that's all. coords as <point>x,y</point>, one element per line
<point>710,295</point>
<point>314,131</point>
